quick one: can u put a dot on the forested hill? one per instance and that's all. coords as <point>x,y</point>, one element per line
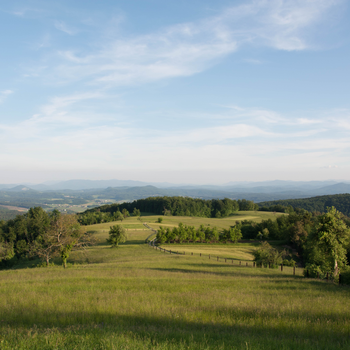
<point>177,206</point>
<point>320,203</point>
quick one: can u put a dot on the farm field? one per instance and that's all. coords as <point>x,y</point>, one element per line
<point>136,297</point>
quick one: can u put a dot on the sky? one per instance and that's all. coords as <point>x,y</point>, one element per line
<point>200,91</point>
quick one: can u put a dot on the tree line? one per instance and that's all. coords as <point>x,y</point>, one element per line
<point>313,204</point>
<point>38,234</point>
<point>322,241</point>
<point>184,233</point>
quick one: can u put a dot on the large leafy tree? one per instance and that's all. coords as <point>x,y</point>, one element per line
<point>329,241</point>
<point>60,238</point>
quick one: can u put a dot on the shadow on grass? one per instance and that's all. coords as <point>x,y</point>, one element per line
<point>135,242</point>
<point>241,271</point>
<point>261,329</point>
<point>237,272</point>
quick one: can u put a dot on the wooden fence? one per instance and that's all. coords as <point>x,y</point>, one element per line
<point>295,270</point>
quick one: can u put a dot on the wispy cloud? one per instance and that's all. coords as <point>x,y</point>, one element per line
<point>62,26</point>
<point>66,135</point>
<point>189,48</point>
<point>4,94</point>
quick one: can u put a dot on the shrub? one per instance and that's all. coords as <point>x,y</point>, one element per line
<point>313,271</point>
<point>267,255</point>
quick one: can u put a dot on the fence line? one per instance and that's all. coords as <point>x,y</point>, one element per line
<point>218,259</point>
<point>152,242</point>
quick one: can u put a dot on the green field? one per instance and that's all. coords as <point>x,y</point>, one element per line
<point>240,251</point>
<point>136,297</point>
<point>172,221</point>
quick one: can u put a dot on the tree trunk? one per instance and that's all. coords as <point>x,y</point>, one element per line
<point>47,261</point>
<point>336,268</point>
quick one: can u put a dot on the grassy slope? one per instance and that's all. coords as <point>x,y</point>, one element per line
<point>136,297</point>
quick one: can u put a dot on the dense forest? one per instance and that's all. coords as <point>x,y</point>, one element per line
<point>176,206</point>
<point>314,204</point>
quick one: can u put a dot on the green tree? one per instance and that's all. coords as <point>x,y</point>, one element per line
<point>267,255</point>
<point>118,216</point>
<point>125,213</point>
<point>6,251</point>
<point>161,235</point>
<point>117,234</point>
<point>329,242</point>
<point>233,234</point>
<point>60,238</point>
<point>136,212</point>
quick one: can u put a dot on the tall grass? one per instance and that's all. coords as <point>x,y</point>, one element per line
<point>135,297</point>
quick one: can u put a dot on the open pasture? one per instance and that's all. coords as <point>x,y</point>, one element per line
<point>238,251</point>
<point>135,223</point>
<point>136,297</point>
<point>172,221</point>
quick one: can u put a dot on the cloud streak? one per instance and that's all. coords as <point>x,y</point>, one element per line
<point>4,94</point>
<point>189,48</point>
<point>61,135</point>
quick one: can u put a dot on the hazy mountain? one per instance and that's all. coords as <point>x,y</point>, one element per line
<point>93,184</point>
<point>338,188</point>
<point>19,188</point>
<point>5,186</point>
<point>281,184</point>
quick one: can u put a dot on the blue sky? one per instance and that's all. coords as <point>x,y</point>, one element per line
<point>178,91</point>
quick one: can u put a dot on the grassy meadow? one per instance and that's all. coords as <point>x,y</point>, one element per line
<point>172,221</point>
<point>136,297</point>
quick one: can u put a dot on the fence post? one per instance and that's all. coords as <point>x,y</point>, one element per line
<point>307,273</point>
<point>246,264</point>
<point>225,259</point>
<point>253,263</point>
<point>293,270</point>
<point>269,266</point>
<point>192,253</point>
<point>217,258</point>
<point>281,267</point>
<point>240,263</point>
<point>340,279</point>
<point>184,253</point>
<point>232,261</point>
<point>209,256</point>
<point>200,254</point>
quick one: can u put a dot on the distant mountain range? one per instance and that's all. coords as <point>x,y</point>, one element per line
<point>130,190</point>
<point>252,187</point>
